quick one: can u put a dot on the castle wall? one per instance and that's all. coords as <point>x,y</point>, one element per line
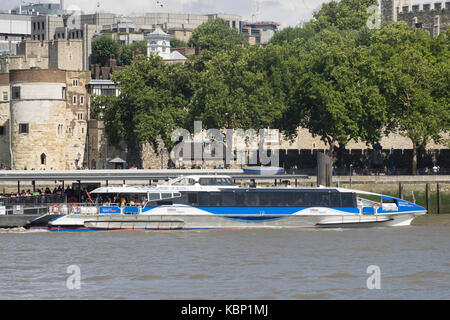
<point>433,17</point>
<point>4,121</point>
<point>55,54</point>
<point>48,127</point>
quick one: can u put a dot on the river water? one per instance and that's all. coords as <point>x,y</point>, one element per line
<point>409,262</point>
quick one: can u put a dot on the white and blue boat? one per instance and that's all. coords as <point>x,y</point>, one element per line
<point>214,202</point>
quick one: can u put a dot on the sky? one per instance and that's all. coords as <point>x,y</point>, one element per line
<point>285,12</point>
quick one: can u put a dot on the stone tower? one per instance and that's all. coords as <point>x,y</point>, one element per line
<point>389,8</point>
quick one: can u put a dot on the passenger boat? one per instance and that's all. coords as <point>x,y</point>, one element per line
<point>214,202</point>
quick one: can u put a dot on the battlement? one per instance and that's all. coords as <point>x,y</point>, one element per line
<point>436,7</point>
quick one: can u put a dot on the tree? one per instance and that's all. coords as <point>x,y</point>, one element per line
<point>412,71</point>
<point>151,105</point>
<point>334,98</point>
<point>176,43</point>
<point>126,52</point>
<point>241,88</point>
<point>102,48</point>
<point>343,15</point>
<point>213,37</point>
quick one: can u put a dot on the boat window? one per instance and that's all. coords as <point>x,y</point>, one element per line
<point>348,199</point>
<point>192,198</point>
<point>153,196</point>
<point>275,198</point>
<point>215,182</point>
<point>389,201</point>
<point>163,196</point>
<point>166,195</point>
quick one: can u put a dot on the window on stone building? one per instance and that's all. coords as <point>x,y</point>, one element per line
<point>75,82</point>
<point>2,130</point>
<point>16,92</point>
<point>80,115</point>
<point>81,100</point>
<point>43,159</point>
<point>64,93</point>
<point>5,96</point>
<point>23,128</point>
<point>60,129</point>
<point>74,100</point>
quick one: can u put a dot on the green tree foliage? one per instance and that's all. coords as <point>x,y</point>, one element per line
<point>126,52</point>
<point>334,77</point>
<point>102,48</point>
<point>412,71</point>
<point>151,105</point>
<point>241,88</point>
<point>211,38</point>
<point>334,98</point>
<point>176,43</point>
<point>343,15</point>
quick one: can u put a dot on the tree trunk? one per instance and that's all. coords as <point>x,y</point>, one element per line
<point>134,154</point>
<point>414,159</point>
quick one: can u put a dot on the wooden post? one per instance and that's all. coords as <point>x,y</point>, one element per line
<point>18,186</point>
<point>438,199</point>
<point>427,197</point>
<point>400,190</point>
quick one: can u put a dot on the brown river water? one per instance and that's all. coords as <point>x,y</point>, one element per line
<point>413,263</point>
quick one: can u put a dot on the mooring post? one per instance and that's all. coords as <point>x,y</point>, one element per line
<point>400,190</point>
<point>427,197</point>
<point>438,199</point>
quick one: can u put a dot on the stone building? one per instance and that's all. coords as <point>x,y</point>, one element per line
<point>47,113</point>
<point>54,54</point>
<point>4,120</point>
<point>433,17</point>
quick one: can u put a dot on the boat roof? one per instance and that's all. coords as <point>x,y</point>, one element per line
<point>171,188</point>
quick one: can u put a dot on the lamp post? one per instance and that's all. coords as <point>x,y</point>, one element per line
<point>351,167</point>
<point>392,161</point>
<point>126,158</point>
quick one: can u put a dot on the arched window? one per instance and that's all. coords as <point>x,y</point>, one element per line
<point>43,159</point>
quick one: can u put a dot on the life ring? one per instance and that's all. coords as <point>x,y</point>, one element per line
<point>55,208</point>
<point>75,209</point>
<point>376,204</point>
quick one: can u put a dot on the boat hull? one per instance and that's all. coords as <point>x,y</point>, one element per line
<point>192,221</point>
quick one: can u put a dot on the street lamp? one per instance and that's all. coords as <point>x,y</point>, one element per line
<point>351,167</point>
<point>126,158</point>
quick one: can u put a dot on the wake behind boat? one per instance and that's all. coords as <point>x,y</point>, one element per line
<point>214,202</point>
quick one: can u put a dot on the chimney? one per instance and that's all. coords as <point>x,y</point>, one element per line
<point>112,60</point>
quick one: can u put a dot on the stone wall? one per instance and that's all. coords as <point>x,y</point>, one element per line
<point>433,17</point>
<point>55,54</point>
<point>4,121</point>
<point>57,130</point>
